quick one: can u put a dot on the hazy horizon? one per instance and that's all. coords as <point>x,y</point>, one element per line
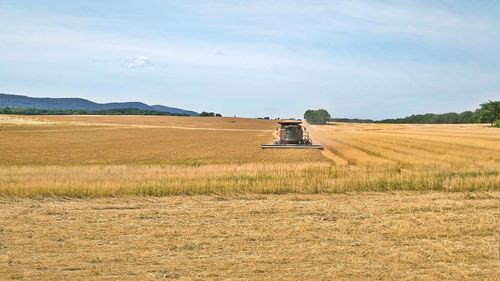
<point>357,59</point>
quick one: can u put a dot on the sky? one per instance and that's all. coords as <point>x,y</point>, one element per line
<point>357,59</point>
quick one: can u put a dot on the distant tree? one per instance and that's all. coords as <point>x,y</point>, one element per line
<point>207,114</point>
<point>489,112</point>
<point>317,117</point>
<point>467,117</point>
<point>448,118</point>
<point>218,115</point>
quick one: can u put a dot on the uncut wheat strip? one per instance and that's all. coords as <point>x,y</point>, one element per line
<point>87,174</point>
<point>155,187</point>
<point>491,181</point>
<point>283,180</point>
<point>161,170</point>
<point>92,183</point>
<point>386,180</point>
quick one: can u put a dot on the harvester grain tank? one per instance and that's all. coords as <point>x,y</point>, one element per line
<point>291,134</point>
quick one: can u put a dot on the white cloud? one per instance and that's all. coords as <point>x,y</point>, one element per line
<point>139,61</point>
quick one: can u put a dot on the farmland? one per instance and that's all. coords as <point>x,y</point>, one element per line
<point>151,198</point>
<point>94,156</point>
<point>353,236</point>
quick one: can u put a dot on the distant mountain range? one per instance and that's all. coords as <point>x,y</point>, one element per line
<point>17,101</point>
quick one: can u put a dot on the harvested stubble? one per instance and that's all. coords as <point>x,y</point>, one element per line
<point>353,236</point>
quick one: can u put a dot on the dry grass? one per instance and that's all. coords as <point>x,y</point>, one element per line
<point>95,156</point>
<point>310,177</point>
<point>354,236</point>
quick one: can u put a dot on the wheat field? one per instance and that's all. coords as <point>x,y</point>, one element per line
<point>95,156</point>
<point>159,198</point>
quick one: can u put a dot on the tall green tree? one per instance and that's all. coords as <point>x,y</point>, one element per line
<point>489,112</point>
<point>317,117</point>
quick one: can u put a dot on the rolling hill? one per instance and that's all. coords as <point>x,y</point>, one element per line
<point>18,101</point>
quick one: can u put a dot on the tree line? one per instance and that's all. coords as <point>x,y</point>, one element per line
<point>488,112</point>
<point>210,114</point>
<point>119,111</point>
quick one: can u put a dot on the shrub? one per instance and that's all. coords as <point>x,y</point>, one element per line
<point>497,124</point>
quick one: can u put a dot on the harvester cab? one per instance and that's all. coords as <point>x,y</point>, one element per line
<point>291,134</point>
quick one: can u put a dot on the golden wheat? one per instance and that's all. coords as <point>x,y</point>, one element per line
<point>239,231</point>
<point>97,156</point>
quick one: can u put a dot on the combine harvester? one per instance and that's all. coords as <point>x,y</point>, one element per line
<point>291,134</point>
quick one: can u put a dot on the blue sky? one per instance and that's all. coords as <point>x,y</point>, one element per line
<point>367,59</point>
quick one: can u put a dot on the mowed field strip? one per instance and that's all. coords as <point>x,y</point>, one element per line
<point>93,156</point>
